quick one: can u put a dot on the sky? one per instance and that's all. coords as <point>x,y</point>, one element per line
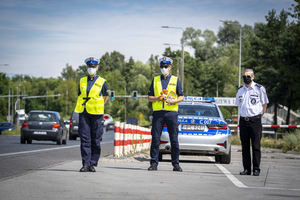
<point>39,37</point>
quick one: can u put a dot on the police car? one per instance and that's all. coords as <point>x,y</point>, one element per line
<point>202,130</point>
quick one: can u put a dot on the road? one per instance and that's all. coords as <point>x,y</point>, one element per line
<point>17,159</point>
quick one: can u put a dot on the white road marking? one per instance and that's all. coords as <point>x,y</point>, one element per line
<point>239,184</point>
<point>40,150</point>
<point>232,178</point>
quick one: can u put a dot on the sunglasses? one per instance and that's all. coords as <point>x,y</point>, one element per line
<point>246,76</point>
<point>164,66</point>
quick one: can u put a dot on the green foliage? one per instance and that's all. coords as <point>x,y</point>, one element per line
<point>292,140</point>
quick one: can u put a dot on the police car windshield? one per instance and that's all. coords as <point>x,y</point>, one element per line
<point>204,111</point>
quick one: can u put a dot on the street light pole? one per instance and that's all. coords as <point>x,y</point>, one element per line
<point>217,92</point>
<point>182,53</point>
<point>125,99</point>
<point>240,60</point>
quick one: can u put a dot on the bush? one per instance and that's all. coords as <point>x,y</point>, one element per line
<point>292,140</point>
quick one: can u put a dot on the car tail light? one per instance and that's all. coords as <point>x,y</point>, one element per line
<point>71,123</point>
<point>163,142</point>
<point>106,117</point>
<point>25,124</point>
<point>217,126</point>
<point>56,125</point>
<point>223,144</point>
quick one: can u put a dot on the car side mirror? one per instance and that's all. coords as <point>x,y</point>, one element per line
<point>229,121</point>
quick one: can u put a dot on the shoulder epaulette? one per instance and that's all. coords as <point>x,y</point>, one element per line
<point>240,87</point>
<point>257,85</point>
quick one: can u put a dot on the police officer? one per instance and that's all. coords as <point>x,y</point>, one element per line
<point>252,100</point>
<point>165,113</point>
<point>92,95</point>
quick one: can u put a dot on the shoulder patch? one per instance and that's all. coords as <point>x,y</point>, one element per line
<point>258,85</point>
<point>240,87</point>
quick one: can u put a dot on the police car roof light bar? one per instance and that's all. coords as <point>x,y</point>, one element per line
<point>199,99</point>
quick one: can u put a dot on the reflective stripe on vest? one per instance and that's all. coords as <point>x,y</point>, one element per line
<point>159,105</point>
<point>95,103</point>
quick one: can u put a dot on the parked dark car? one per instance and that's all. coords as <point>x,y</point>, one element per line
<point>6,126</point>
<point>110,126</point>
<point>73,129</point>
<point>44,125</point>
<point>132,120</point>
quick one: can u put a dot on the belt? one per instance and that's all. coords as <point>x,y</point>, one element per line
<point>250,118</point>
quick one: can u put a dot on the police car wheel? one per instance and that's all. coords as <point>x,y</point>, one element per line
<point>160,156</point>
<point>29,141</point>
<point>226,159</point>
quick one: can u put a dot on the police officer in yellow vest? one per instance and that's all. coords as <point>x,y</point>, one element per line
<point>92,95</point>
<point>165,113</point>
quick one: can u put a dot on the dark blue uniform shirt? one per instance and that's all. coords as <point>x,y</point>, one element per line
<point>90,83</point>
<point>164,84</point>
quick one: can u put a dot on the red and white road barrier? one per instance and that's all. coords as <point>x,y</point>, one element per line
<point>270,126</point>
<point>130,139</point>
<point>117,140</point>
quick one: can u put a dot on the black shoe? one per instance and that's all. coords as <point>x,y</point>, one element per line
<point>245,172</point>
<point>152,167</point>
<point>85,168</point>
<point>92,169</point>
<point>255,172</point>
<point>177,168</point>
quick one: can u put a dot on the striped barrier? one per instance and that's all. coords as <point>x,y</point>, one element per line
<point>129,139</point>
<point>117,140</point>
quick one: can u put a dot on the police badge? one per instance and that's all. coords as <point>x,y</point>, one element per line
<point>253,101</point>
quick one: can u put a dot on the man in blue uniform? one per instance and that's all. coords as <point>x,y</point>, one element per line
<point>165,112</point>
<point>92,95</point>
<point>252,100</point>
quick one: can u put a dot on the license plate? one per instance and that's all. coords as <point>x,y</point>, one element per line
<point>193,127</point>
<point>40,133</point>
<point>75,127</point>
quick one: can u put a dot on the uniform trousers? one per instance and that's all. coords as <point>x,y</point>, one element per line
<point>251,130</point>
<point>90,131</point>
<point>170,118</point>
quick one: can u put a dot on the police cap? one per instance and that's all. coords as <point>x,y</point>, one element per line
<point>91,61</point>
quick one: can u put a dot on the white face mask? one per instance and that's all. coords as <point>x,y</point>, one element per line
<point>164,71</point>
<point>91,71</point>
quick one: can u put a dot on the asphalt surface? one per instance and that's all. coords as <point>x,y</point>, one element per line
<point>127,178</point>
<point>17,159</point>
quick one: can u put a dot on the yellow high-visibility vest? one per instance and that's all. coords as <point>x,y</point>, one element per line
<point>159,105</point>
<point>95,104</point>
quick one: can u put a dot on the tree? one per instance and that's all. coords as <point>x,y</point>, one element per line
<point>69,73</point>
<point>268,57</point>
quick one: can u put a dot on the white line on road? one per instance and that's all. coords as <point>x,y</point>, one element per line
<point>40,150</point>
<point>232,178</point>
<point>239,184</point>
